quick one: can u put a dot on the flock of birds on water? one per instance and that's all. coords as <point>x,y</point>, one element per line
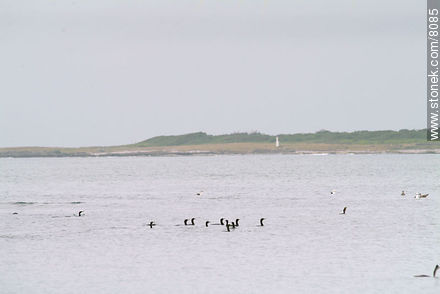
<point>222,222</point>
<point>230,225</point>
<point>417,196</point>
<point>233,225</point>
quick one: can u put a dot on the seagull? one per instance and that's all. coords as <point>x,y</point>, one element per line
<point>200,193</point>
<point>333,192</point>
<point>343,211</point>
<point>426,276</point>
<point>420,195</point>
<point>80,213</point>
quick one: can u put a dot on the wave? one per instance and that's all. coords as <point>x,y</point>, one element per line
<point>23,203</point>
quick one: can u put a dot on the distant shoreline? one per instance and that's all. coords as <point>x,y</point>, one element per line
<point>219,149</point>
<point>322,142</point>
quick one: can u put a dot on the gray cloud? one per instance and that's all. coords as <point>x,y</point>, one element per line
<point>114,72</point>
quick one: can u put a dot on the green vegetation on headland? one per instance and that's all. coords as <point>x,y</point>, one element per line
<point>326,137</point>
<point>403,141</point>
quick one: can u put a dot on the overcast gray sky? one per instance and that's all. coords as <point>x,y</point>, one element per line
<point>81,73</point>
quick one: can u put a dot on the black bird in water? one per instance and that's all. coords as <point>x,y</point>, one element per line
<point>80,213</point>
<point>185,222</point>
<point>403,193</point>
<point>152,224</point>
<point>206,223</point>
<point>229,225</point>
<point>236,222</point>
<point>427,276</point>
<point>343,211</point>
<point>261,221</point>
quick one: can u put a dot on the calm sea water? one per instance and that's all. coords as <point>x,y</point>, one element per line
<point>306,246</point>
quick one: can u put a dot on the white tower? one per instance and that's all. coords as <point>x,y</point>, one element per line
<point>277,143</point>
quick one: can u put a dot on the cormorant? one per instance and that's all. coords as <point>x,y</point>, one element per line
<point>426,276</point>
